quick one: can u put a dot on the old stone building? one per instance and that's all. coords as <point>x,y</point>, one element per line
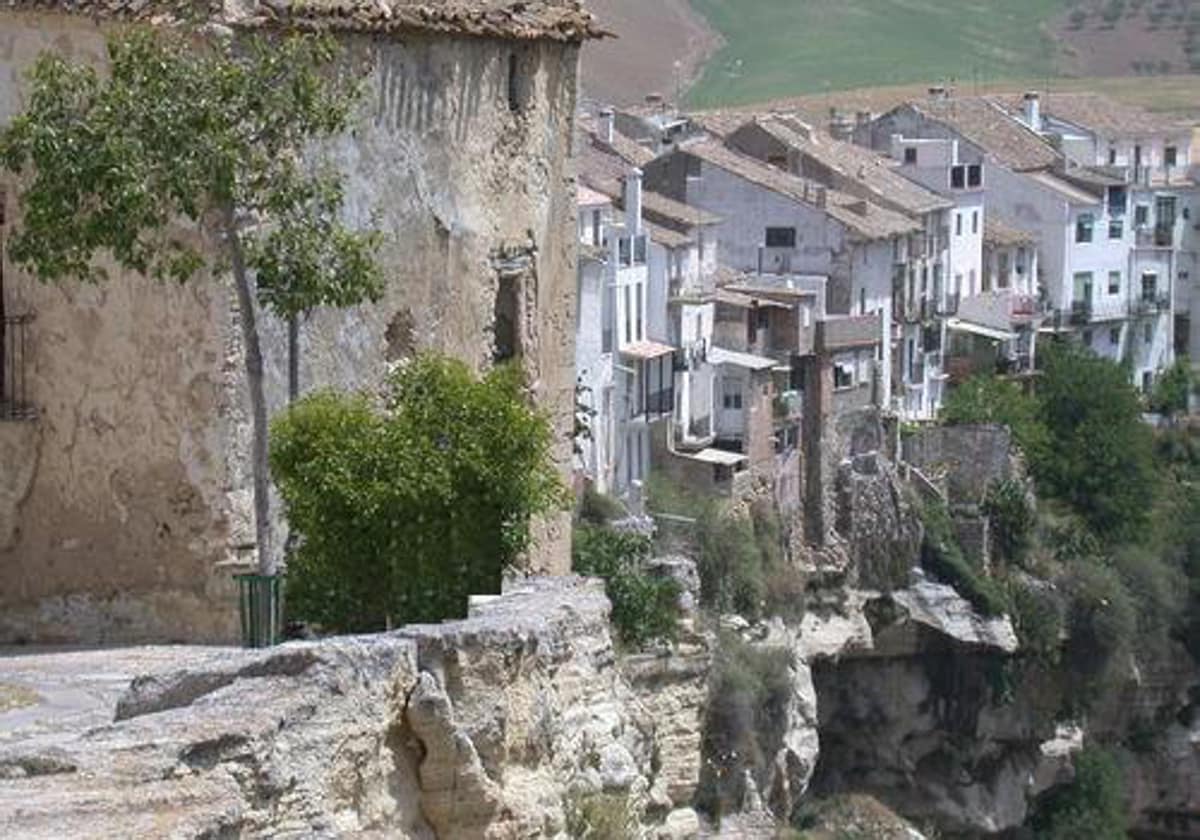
<point>125,501</point>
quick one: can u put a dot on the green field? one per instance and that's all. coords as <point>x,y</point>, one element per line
<point>780,48</point>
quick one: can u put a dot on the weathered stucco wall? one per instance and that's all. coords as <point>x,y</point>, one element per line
<point>138,510</point>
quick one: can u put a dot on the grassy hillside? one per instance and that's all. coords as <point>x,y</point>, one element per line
<point>780,48</point>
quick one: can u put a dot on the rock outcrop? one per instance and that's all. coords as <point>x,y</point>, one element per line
<point>481,728</point>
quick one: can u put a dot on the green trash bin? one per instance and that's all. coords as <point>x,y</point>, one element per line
<point>260,602</point>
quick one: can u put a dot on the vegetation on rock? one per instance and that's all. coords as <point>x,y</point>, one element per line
<point>406,505</point>
<point>1091,806</point>
<point>645,608</point>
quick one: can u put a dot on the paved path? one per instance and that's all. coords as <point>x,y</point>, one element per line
<point>78,689</point>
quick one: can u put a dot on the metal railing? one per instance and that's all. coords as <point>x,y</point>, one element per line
<point>1150,304</point>
<point>1081,311</point>
<point>14,394</point>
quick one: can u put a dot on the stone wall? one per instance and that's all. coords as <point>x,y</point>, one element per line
<point>970,458</point>
<point>484,728</point>
<point>139,507</point>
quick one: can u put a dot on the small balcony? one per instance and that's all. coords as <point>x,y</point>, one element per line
<point>1150,304</point>
<point>1081,312</point>
<point>949,306</point>
<point>789,406</point>
<point>1160,236</point>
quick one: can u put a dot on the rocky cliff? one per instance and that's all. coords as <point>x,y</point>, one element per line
<point>496,726</point>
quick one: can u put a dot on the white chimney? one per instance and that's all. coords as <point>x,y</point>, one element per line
<point>607,121</point>
<point>633,202</point>
<point>1033,110</point>
<point>938,93</point>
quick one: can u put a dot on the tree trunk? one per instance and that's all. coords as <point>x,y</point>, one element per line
<point>293,358</point>
<point>258,402</point>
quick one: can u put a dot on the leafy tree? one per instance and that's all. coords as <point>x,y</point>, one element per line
<point>644,608</point>
<point>1100,457</point>
<point>189,140</point>
<point>405,508</point>
<point>983,400</point>
<point>1173,388</point>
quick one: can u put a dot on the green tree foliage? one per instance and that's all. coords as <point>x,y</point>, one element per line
<point>404,509</point>
<point>186,140</point>
<point>986,400</point>
<point>1100,457</point>
<point>1091,806</point>
<point>1173,388</point>
<point>1012,518</point>
<point>644,608</point>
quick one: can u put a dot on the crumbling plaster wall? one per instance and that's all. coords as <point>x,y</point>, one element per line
<point>139,509</point>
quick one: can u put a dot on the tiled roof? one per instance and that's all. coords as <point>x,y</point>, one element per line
<point>1101,115</point>
<point>991,127</point>
<point>876,173</point>
<point>1000,232</point>
<point>1065,189</point>
<point>666,237</point>
<point>585,197</point>
<point>868,220</point>
<point>655,204</point>
<point>557,20</point>
<point>627,149</point>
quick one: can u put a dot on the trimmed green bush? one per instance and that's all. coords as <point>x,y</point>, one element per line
<point>1012,519</point>
<point>404,509</point>
<point>1092,806</point>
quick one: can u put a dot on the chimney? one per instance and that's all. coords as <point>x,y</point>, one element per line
<point>863,118</point>
<point>633,202</point>
<point>607,121</point>
<point>938,92</point>
<point>840,128</point>
<point>1033,110</point>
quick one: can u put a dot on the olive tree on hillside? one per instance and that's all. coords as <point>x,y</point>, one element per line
<point>193,155</point>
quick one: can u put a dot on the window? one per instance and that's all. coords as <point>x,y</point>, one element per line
<point>958,177</point>
<point>910,155</point>
<point>1170,155</point>
<point>1118,201</point>
<point>507,314</point>
<point>731,395</point>
<point>1114,282</point>
<point>1149,285</point>
<point>1148,333</point>
<point>971,282</point>
<point>628,314</point>
<point>1147,381</point>
<point>843,376</point>
<point>862,301</point>
<point>1114,336</point>
<point>958,224</point>
<point>975,222</point>
<point>639,250</point>
<point>1083,287</point>
<point>1020,261</point>
<point>624,254</point>
<point>639,323</point>
<point>1083,227</point>
<point>975,175</point>
<point>516,93</point>
<point>1116,228</point>
<point>606,315</point>
<point>1087,338</point>
<point>781,237</point>
<point>1141,215</point>
<point>764,317</point>
<point>1112,157</point>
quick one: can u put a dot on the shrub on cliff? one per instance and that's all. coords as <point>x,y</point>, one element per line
<point>988,400</point>
<point>943,557</point>
<point>404,508</point>
<point>1091,806</point>
<point>644,608</point>
<point>1100,459</point>
<point>1012,518</point>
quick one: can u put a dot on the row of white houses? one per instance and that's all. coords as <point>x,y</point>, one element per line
<point>745,276</point>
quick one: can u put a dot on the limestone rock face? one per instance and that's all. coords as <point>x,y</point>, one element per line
<point>482,728</point>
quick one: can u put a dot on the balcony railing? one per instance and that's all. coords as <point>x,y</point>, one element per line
<point>1160,236</point>
<point>1081,311</point>
<point>1150,304</point>
<point>14,394</point>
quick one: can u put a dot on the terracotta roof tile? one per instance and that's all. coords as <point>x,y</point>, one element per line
<point>862,217</point>
<point>558,20</point>
<point>1100,114</point>
<point>991,127</point>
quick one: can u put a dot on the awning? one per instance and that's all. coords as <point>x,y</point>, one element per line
<point>959,325</point>
<point>721,356</point>
<point>647,350</point>
<point>716,456</point>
